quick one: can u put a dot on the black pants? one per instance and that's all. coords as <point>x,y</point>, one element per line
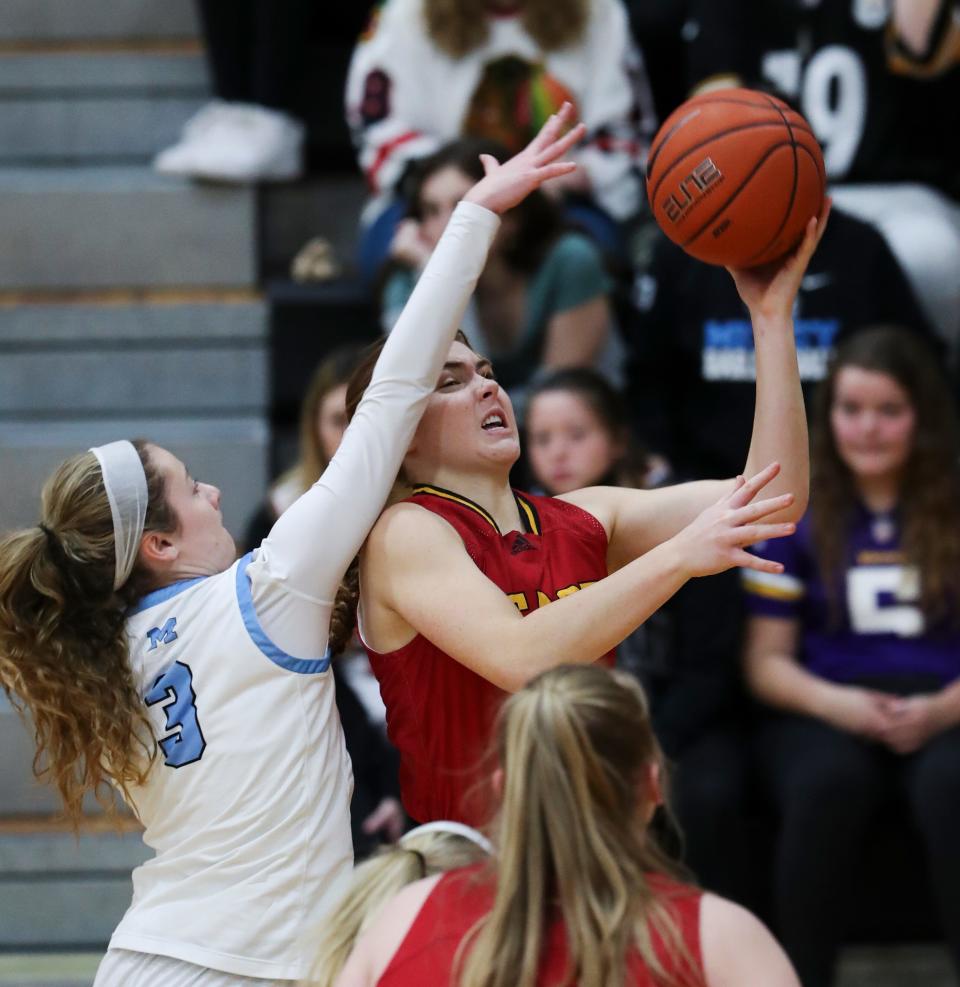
<point>257,49</point>
<point>709,787</point>
<point>829,787</point>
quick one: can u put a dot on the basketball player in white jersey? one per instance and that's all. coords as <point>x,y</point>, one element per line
<point>199,685</point>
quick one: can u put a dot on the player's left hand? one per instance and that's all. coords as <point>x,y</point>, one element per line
<point>770,290</point>
<point>913,722</point>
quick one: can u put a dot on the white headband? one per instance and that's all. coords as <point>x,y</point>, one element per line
<point>456,829</point>
<point>126,485</point>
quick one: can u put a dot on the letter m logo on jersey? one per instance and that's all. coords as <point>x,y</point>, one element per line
<point>162,635</point>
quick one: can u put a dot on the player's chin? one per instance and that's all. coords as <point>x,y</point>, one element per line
<point>506,449</point>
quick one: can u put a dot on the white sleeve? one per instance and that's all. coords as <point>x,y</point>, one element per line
<point>295,576</point>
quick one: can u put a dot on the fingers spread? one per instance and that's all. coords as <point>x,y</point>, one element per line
<point>761,508</point>
<point>743,495</point>
<point>552,128</point>
<point>752,533</point>
<point>560,146</point>
<point>747,561</point>
<point>555,170</point>
<point>490,163</point>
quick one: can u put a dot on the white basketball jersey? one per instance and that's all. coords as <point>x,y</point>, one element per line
<point>247,805</point>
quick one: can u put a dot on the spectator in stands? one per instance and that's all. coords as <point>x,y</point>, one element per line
<point>427,850</point>
<point>690,374</point>
<point>690,352</point>
<point>578,890</point>
<point>577,435</point>
<point>542,300</point>
<point>877,81</point>
<point>323,419</point>
<point>375,808</point>
<point>429,71</point>
<point>250,131</point>
<point>689,46</point>
<point>855,648</point>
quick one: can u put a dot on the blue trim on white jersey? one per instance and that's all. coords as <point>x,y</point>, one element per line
<point>162,595</point>
<point>303,666</point>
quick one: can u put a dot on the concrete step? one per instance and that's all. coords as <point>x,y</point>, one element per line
<point>94,107</point>
<point>896,966</point>
<point>61,890</point>
<point>162,359</point>
<point>20,793</point>
<point>122,226</point>
<point>67,20</point>
<point>49,969</point>
<point>230,452</point>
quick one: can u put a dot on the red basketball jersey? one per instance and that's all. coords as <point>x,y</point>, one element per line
<point>463,897</point>
<point>439,713</point>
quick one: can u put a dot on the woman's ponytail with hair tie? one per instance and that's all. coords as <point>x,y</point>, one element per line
<point>52,537</point>
<point>421,860</point>
<point>55,545</point>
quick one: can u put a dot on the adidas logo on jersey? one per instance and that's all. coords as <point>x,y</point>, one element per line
<point>520,544</point>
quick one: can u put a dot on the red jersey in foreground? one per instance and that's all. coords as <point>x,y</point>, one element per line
<point>462,897</point>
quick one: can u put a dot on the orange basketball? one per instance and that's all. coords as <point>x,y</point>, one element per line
<point>734,176</point>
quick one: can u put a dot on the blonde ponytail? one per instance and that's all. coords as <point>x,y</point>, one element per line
<point>574,746</point>
<point>376,881</point>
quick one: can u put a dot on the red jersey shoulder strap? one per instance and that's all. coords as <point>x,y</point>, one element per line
<point>440,500</point>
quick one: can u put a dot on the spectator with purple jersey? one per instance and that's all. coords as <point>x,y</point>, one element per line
<point>855,646</point>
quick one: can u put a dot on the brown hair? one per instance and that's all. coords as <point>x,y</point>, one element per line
<point>63,645</point>
<point>930,496</point>
<point>460,26</point>
<point>343,618</point>
<point>574,745</point>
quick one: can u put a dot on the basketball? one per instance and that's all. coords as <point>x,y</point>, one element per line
<point>734,176</point>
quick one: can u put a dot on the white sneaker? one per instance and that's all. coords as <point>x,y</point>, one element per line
<point>237,142</point>
<point>176,159</point>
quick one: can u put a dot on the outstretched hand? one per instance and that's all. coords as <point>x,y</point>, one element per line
<point>770,290</point>
<point>716,540</point>
<point>504,185</point>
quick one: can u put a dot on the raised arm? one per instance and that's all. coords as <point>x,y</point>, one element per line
<point>637,520</point>
<point>310,547</point>
<point>780,420</point>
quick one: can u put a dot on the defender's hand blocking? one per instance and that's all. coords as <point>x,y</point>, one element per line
<point>715,540</point>
<point>504,185</point>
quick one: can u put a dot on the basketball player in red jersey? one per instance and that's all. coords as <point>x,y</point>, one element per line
<point>578,891</point>
<point>447,575</point>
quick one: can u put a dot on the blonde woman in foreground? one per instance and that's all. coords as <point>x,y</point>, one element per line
<point>578,891</point>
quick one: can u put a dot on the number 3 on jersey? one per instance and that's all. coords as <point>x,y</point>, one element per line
<point>174,690</point>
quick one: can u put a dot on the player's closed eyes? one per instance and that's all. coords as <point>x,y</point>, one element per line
<point>485,374</point>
